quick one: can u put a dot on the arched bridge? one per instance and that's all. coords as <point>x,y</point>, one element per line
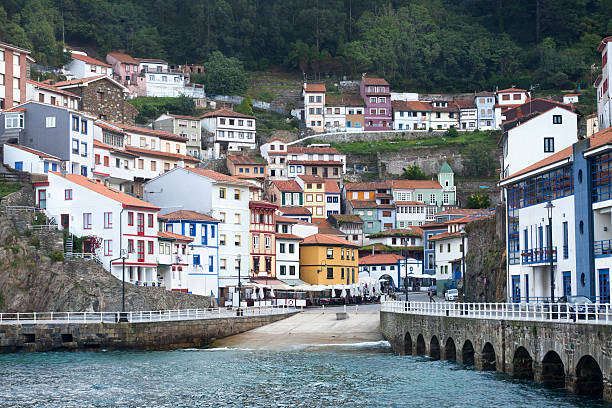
<point>526,343</point>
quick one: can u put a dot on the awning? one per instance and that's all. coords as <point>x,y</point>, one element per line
<point>271,283</point>
<point>293,282</point>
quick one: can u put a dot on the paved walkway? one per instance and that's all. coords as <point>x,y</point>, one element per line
<point>313,326</point>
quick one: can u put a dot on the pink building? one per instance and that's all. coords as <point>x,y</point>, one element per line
<point>126,72</point>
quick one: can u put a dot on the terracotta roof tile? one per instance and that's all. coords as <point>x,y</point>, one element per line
<point>287,185</point>
<point>226,113</point>
<point>445,235</point>
<point>125,58</point>
<point>52,88</point>
<point>315,162</point>
<point>363,204</point>
<point>287,236</point>
<point>314,87</point>
<point>511,90</point>
<point>410,203</point>
<point>375,81</point>
<point>78,81</point>
<point>379,259</point>
<point>139,151</point>
<point>187,215</point>
<point>311,178</point>
<point>294,211</point>
<point>218,176</point>
<point>312,150</point>
<point>324,239</point>
<point>89,60</point>
<point>33,151</point>
<point>286,220</point>
<point>411,106</point>
<point>368,186</point>
<point>331,187</point>
<point>162,134</point>
<point>172,235</point>
<point>415,184</point>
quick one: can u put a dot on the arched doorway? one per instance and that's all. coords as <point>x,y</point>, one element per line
<point>450,351</point>
<point>467,353</point>
<point>434,348</point>
<point>488,358</point>
<point>386,283</point>
<point>553,371</point>
<point>408,344</point>
<point>420,346</point>
<point>522,364</point>
<point>589,380</point>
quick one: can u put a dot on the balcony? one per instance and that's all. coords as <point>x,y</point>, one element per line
<point>602,248</point>
<point>538,256</point>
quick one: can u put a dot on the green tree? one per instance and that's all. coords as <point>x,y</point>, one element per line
<point>479,200</point>
<point>478,163</point>
<point>246,106</point>
<point>225,76</point>
<point>414,173</point>
<point>451,132</point>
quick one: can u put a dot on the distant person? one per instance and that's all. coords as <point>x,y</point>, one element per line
<point>430,294</point>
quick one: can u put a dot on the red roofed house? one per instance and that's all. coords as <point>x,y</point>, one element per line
<point>604,96</point>
<point>247,167</point>
<point>118,224</point>
<point>30,160</point>
<point>507,98</point>
<point>83,66</point>
<point>391,268</point>
<point>328,260</point>
<point>286,193</point>
<point>275,152</point>
<point>344,113</point>
<point>377,97</point>
<point>227,131</point>
<point>125,70</point>
<point>262,239</point>
<point>411,115</point>
<point>314,104</point>
<point>318,160</point>
<point>14,67</point>
<point>50,94</point>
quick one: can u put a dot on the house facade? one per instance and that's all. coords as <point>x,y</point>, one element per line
<point>14,72</point>
<point>126,71</point>
<point>411,115</point>
<point>350,225</point>
<point>314,104</point>
<point>344,113</point>
<point>328,260</point>
<point>186,126</point>
<point>84,66</point>
<point>487,111</point>
<point>172,261</point>
<point>314,194</point>
<point>262,239</point>
<point>275,152</point>
<point>602,84</point>
<point>287,250</point>
<point>228,131</point>
<point>51,95</point>
<point>27,159</point>
<point>286,193</point>
<point>377,97</point>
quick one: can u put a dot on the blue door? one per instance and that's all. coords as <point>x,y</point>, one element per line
<point>19,165</point>
<point>567,283</point>
<point>46,164</point>
<point>604,285</point>
<point>516,288</point>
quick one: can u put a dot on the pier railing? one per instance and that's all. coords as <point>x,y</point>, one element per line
<point>587,313</point>
<point>141,316</point>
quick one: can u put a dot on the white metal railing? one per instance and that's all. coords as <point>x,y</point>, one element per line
<point>47,227</point>
<point>141,316</point>
<point>589,313</point>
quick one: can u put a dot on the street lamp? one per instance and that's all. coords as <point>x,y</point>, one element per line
<point>238,260</point>
<point>549,209</point>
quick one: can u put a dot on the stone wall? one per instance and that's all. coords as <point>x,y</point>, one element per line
<point>105,98</point>
<point>123,336</point>
<point>522,349</point>
<point>343,137</point>
<point>429,159</point>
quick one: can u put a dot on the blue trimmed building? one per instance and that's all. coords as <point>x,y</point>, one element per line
<point>203,260</point>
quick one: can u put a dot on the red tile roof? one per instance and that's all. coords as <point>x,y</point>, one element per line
<point>411,106</point>
<point>97,187</point>
<point>247,160</point>
<point>277,139</point>
<point>315,162</point>
<point>159,153</point>
<point>363,204</point>
<point>52,88</point>
<point>465,103</point>
<point>108,126</point>
<point>286,220</point>
<point>312,150</point>
<point>172,235</point>
<point>187,215</point>
<point>89,60</point>
<point>125,58</point>
<point>287,236</point>
<point>79,81</point>
<point>409,203</point>
<point>264,204</point>
<point>331,187</point>
<point>458,211</point>
<point>368,186</point>
<point>310,178</point>
<point>375,81</point>
<point>219,176</point>
<point>600,138</point>
<point>226,113</point>
<point>380,259</point>
<point>445,235</point>
<point>162,134</point>
<point>511,90</point>
<point>40,154</point>
<point>294,211</point>
<point>287,185</point>
<point>314,87</point>
<point>324,239</point>
<point>344,100</point>
<point>415,184</point>
<point>101,145</point>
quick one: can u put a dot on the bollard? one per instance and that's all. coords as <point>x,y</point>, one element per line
<point>344,308</point>
<point>323,309</point>
<point>356,306</point>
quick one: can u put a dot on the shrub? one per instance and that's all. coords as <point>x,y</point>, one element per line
<point>56,256</point>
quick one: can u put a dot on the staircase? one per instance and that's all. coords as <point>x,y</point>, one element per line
<point>68,247</point>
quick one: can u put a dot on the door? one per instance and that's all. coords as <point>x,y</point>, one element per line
<point>516,288</point>
<point>65,221</point>
<point>141,251</point>
<point>604,285</point>
<point>42,199</point>
<point>567,283</point>
<point>140,223</point>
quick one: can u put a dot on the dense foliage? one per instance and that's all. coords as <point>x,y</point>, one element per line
<point>479,200</point>
<point>421,45</point>
<point>150,107</point>
<point>414,173</point>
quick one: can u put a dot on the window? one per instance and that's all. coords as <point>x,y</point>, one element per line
<point>236,194</point>
<point>330,253</point>
<point>516,97</point>
<point>222,192</point>
<point>130,218</point>
<point>14,121</point>
<point>84,149</point>
<point>86,220</point>
<point>84,126</point>
<point>291,248</point>
<point>68,194</point>
<point>196,260</point>
<point>50,121</point>
<point>108,247</point>
<point>150,220</point>
<point>330,273</point>
<point>150,247</point>
<point>130,247</point>
<point>557,119</point>
<point>222,264</point>
<point>549,144</point>
<point>432,199</point>
<point>222,217</point>
<point>268,242</point>
<point>75,123</point>
<point>108,220</point>
<point>153,165</point>
<point>106,159</point>
<point>565,240</point>
<point>255,241</point>
<point>281,248</point>
<point>75,146</point>
<point>141,164</point>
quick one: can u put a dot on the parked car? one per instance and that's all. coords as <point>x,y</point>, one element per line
<point>451,294</point>
<point>576,306</point>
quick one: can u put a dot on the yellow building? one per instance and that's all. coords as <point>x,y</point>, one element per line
<point>328,260</point>
<point>314,194</point>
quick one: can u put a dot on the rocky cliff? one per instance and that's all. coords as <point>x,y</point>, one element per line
<point>35,277</point>
<point>486,259</point>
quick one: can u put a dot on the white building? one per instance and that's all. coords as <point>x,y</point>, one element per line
<point>37,91</point>
<point>119,223</point>
<point>220,196</point>
<point>229,132</point>
<point>27,159</point>
<point>287,249</point>
<point>83,66</point>
<point>507,98</point>
<point>604,97</point>
<point>409,237</point>
<point>173,261</point>
<point>409,213</point>
<point>468,113</point>
<point>411,115</point>
<point>450,249</point>
<point>549,128</point>
<point>444,115</point>
<point>389,267</point>
<point>113,165</point>
<point>314,105</point>
<point>275,152</point>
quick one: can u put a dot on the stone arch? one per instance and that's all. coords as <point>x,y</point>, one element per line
<point>434,348</point>
<point>420,345</point>
<point>467,353</point>
<point>450,351</point>
<point>553,370</point>
<point>589,379</point>
<point>522,364</point>
<point>489,360</point>
<point>408,344</point>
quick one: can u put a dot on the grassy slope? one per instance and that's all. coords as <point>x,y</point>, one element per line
<point>8,188</point>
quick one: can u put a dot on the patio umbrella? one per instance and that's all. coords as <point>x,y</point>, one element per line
<point>272,293</point>
<point>332,292</point>
<point>261,293</point>
<point>343,294</point>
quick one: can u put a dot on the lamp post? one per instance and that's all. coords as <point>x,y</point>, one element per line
<point>549,209</point>
<point>238,260</point>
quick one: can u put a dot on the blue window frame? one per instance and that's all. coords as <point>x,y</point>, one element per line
<point>348,123</point>
<point>604,285</point>
<point>196,260</point>
<point>541,188</point>
<point>46,164</point>
<point>54,166</point>
<point>84,126</point>
<point>601,176</point>
<point>84,171</point>
<point>168,227</point>
<point>212,231</point>
<point>516,288</point>
<point>211,266</point>
<point>19,165</point>
<point>357,124</point>
<point>240,170</point>
<point>567,283</point>
<point>192,230</point>
<point>84,149</point>
<point>75,146</point>
<point>75,123</point>
<point>565,240</point>
<point>204,234</point>
<point>261,170</point>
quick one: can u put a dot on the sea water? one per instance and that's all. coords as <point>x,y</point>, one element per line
<point>356,375</point>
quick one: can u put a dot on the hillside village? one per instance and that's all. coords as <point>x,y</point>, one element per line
<point>202,205</point>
